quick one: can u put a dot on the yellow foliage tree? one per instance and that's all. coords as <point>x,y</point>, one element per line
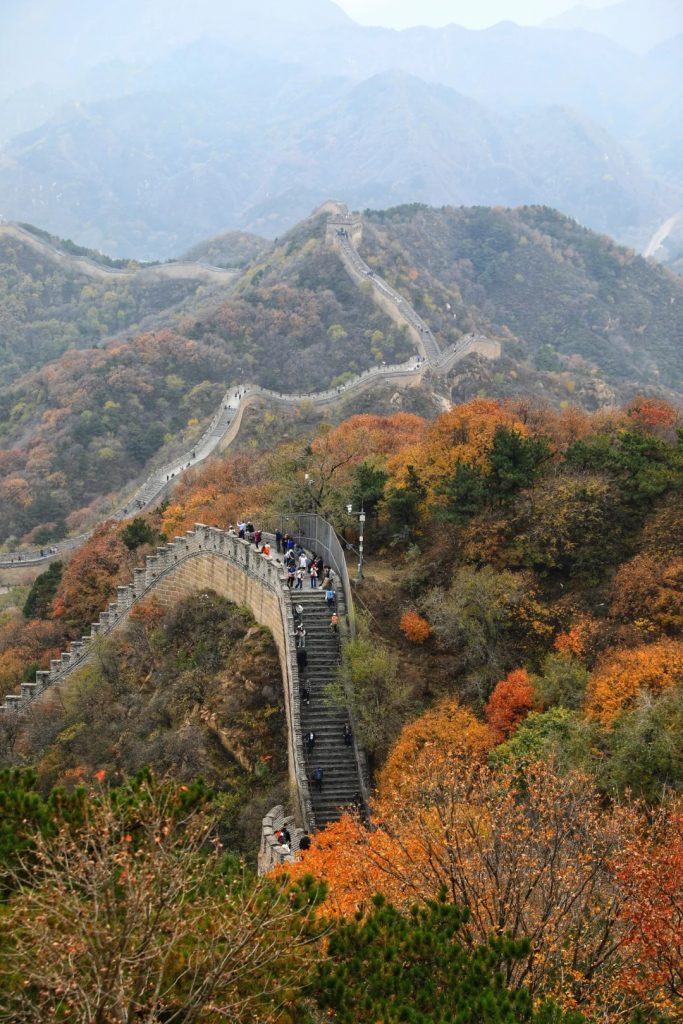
<point>621,675</point>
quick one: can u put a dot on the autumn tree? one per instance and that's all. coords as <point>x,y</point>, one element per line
<point>559,736</point>
<point>651,873</point>
<point>488,619</point>
<point>350,459</point>
<point>379,695</point>
<point>90,579</point>
<point>642,752</point>
<point>562,681</point>
<point>650,594</point>
<point>135,916</point>
<point>510,703</point>
<point>414,627</point>
<point>25,647</point>
<point>565,524</point>
<point>622,674</point>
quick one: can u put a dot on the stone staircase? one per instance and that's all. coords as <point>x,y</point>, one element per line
<point>341,780</point>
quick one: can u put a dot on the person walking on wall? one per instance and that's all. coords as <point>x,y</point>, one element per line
<point>318,779</point>
<point>314,576</point>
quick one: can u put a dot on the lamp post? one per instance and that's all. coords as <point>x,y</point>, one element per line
<point>361,520</point>
<point>309,485</point>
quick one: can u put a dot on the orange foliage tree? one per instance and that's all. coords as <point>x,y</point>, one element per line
<point>651,872</point>
<point>221,493</point>
<point>621,675</point>
<point>529,852</point>
<point>578,641</point>
<point>337,453</point>
<point>25,645</point>
<point>414,627</point>
<point>510,703</point>
<point>91,577</point>
<point>464,435</point>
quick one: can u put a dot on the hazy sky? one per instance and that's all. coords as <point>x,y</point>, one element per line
<point>470,13</point>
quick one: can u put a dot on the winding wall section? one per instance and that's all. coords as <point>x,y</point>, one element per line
<point>203,559</point>
<point>226,422</point>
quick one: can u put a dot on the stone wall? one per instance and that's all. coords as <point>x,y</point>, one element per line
<point>205,558</point>
<point>271,852</point>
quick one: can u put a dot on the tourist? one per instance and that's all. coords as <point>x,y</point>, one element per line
<point>305,841</point>
<point>278,541</point>
<point>290,576</point>
<point>310,742</point>
<point>303,560</point>
<point>299,578</point>
<point>301,636</point>
<point>265,550</point>
<point>318,779</point>
<point>304,692</point>
<point>330,597</point>
<point>314,576</point>
<point>334,623</point>
<point>348,735</point>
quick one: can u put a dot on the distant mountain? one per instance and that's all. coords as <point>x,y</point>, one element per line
<point>637,25</point>
<point>256,147</point>
<point>70,37</point>
<point>231,249</point>
<point>144,127</point>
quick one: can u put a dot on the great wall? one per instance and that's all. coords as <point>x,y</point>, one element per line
<point>174,270</point>
<point>343,230</point>
<point>211,559</point>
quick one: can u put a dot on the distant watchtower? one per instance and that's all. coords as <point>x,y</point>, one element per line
<point>344,225</point>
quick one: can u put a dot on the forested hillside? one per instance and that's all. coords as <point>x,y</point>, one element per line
<point>48,305</point>
<point>86,424</point>
<point>580,319</point>
<point>516,681</point>
<point>568,299</point>
<point>231,250</point>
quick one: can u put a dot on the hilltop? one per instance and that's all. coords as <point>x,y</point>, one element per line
<point>232,250</point>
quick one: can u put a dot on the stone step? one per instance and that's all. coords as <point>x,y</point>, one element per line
<point>340,771</point>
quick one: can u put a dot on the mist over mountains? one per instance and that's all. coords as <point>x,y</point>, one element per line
<point>142,130</point>
<point>623,22</point>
